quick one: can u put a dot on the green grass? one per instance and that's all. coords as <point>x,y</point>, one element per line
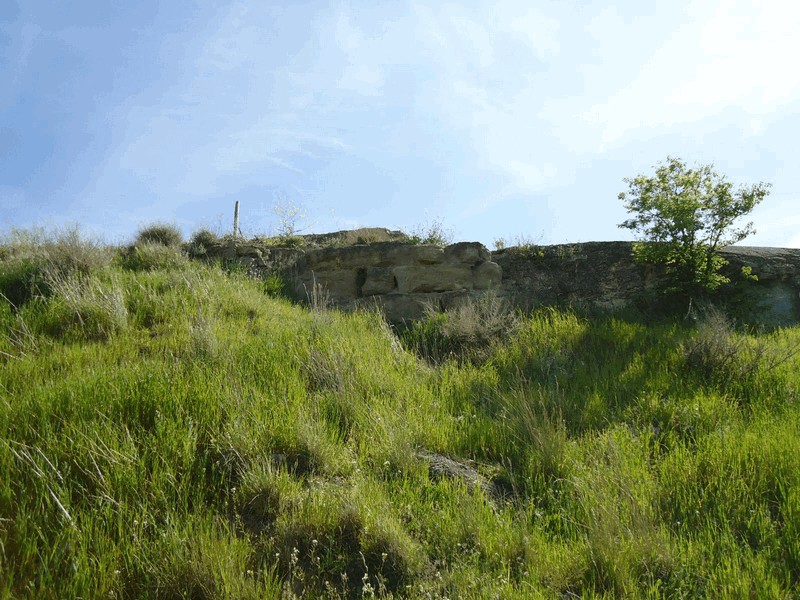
<point>170,430</point>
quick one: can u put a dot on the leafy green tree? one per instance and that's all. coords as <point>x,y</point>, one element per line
<point>682,216</point>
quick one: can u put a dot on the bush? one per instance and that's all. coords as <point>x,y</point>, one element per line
<point>81,308</point>
<point>152,256</point>
<point>33,257</point>
<point>722,355</point>
<point>201,241</point>
<point>327,538</point>
<point>290,214</point>
<point>275,287</point>
<point>21,280</point>
<point>467,332</point>
<point>683,216</point>
<point>434,233</point>
<point>159,233</point>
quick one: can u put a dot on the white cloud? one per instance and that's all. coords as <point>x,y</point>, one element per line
<point>532,176</point>
<point>363,79</point>
<point>745,57</point>
<point>777,222</point>
<point>683,69</point>
<point>793,242</point>
<point>238,109</point>
<point>518,95</point>
<point>487,65</point>
<point>730,55</point>
<point>360,73</point>
<point>462,71</point>
<point>539,31</point>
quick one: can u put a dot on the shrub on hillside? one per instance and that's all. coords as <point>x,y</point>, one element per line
<point>152,257</point>
<point>721,354</point>
<point>716,350</point>
<point>682,217</point>
<point>201,241</point>
<point>33,257</point>
<point>21,280</point>
<point>467,332</point>
<point>81,308</point>
<point>434,233</point>
<point>275,287</point>
<point>159,233</point>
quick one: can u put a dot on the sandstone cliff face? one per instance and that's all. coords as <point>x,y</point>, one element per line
<point>595,274</point>
<point>603,275</point>
<point>403,279</point>
<point>775,298</point>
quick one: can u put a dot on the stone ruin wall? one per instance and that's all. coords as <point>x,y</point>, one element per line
<point>403,278</point>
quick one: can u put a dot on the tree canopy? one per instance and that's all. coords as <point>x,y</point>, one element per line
<point>683,215</point>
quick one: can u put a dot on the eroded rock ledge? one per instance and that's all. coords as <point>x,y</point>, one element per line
<point>381,267</point>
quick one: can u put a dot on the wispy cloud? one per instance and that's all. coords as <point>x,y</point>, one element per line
<point>474,110</point>
<point>237,109</point>
<point>725,55</point>
<point>777,222</point>
<point>491,66</point>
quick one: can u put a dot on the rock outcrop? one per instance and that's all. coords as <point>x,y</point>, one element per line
<point>402,279</point>
<point>376,267</point>
<point>775,298</point>
<point>595,274</point>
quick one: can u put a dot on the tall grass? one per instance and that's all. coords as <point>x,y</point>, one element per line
<point>175,431</point>
<point>468,332</point>
<point>31,259</point>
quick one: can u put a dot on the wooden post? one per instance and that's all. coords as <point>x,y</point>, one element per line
<point>236,219</point>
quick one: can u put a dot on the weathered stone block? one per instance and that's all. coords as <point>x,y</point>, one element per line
<point>336,259</point>
<point>407,307</point>
<point>432,278</point>
<point>247,261</point>
<point>249,250</point>
<point>378,280</point>
<point>454,300</point>
<point>404,278</point>
<point>471,253</point>
<point>487,276</point>
<point>338,285</point>
<point>227,252</point>
<point>421,255</point>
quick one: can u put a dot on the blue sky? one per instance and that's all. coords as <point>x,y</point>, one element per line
<point>501,119</point>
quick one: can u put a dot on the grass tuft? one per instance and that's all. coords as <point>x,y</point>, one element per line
<point>31,258</point>
<point>201,241</point>
<point>161,234</point>
<point>467,332</point>
<point>152,256</point>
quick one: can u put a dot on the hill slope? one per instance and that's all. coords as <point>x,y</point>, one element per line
<point>168,429</point>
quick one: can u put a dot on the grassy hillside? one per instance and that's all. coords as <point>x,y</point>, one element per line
<point>172,430</point>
